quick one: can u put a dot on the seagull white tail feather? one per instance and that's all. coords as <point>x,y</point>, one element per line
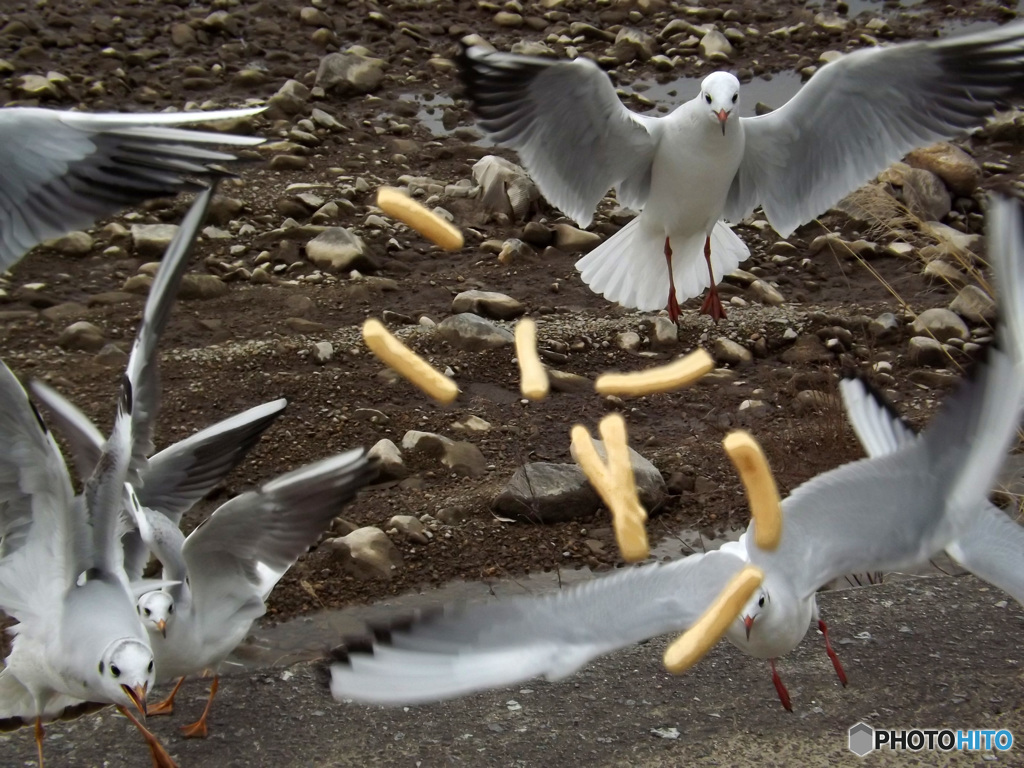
<point>630,267</point>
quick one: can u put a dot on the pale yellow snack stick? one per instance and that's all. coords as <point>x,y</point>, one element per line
<point>762,492</point>
<point>399,205</point>
<point>664,378</point>
<point>533,378</point>
<point>691,646</point>
<point>628,515</point>
<point>399,357</point>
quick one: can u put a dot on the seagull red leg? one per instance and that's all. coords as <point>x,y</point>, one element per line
<point>166,706</point>
<point>712,304</point>
<point>160,757</point>
<point>198,729</point>
<point>673,304</point>
<point>832,654</point>
<point>780,688</point>
<point>39,740</point>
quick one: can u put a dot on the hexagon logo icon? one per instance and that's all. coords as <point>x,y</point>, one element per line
<point>862,739</point>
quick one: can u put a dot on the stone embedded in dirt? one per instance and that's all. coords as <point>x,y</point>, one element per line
<point>183,36</point>
<point>808,401</point>
<point>570,239</point>
<point>288,163</point>
<point>489,304</point>
<point>112,356</point>
<point>337,249</point>
<point>974,305</point>
<point>82,336</point>
<point>807,349</point>
<point>409,527</point>
<point>290,99</point>
<point>941,323</point>
<point>942,270</point>
<point>899,250</point>
<point>956,168</point>
<point>537,234</point>
<point>632,44</point>
<point>473,333</point>
<point>650,485</point>
<point>323,352</point>
<point>664,333</point>
<point>714,42</point>
<point>728,352</point>
<point>542,492</point>
<point>36,87</point>
<point>871,204</point>
<point>628,341</point>
<point>925,194</point>
<point>885,326</point>
<point>201,287</point>
<point>474,425</point>
<point>514,250</point>
<point>68,312</point>
<point>504,186</point>
<point>563,381</point>
<point>151,240</point>
<point>366,553</point>
<point>958,242</point>
<point>924,350</point>
<point>391,465</point>
<point>72,244</point>
<point>351,72</point>
<point>764,292</point>
<point>460,457</point>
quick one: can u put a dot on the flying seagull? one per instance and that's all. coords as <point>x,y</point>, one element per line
<point>702,163</point>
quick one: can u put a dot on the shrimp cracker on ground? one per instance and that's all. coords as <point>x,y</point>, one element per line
<point>615,483</point>
<point>400,358</point>
<point>399,205</point>
<point>762,492</point>
<point>533,379</point>
<point>664,378</point>
<point>691,646</point>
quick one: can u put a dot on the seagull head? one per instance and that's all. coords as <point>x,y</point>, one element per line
<point>155,609</point>
<point>755,607</point>
<point>720,93</point>
<point>126,672</point>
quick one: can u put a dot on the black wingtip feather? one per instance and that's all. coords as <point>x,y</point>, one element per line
<point>881,398</point>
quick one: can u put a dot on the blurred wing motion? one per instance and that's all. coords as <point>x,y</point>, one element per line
<point>464,649</point>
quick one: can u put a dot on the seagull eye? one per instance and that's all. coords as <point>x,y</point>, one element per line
<point>171,608</point>
<point>115,670</point>
<point>150,667</point>
<point>707,97</point>
<point>734,97</point>
<point>148,612</point>
<point>101,667</point>
<point>760,602</point>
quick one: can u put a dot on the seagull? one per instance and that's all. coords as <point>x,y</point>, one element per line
<point>226,568</point>
<point>78,635</point>
<point>874,514</point>
<point>992,547</point>
<point>702,163</point>
<point>64,170</point>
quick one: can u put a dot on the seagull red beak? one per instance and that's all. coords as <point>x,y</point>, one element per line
<point>748,622</point>
<point>138,697</point>
<point>722,117</point>
<point>162,626</point>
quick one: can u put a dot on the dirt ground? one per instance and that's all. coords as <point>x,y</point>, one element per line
<point>255,342</point>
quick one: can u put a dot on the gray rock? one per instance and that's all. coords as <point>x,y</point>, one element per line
<point>488,303</point>
<point>943,271</point>
<point>473,425</point>
<point>572,239</point>
<point>974,305</point>
<point>349,73</point>
<point>409,527</point>
<point>504,186</point>
<point>460,457</point>
<point>810,401</point>
<point>537,234</point>
<point>514,250</point>
<point>323,352</point>
<point>473,333</point>
<point>943,324</point>
<point>563,381</point>
<point>631,44</point>
<point>924,350</point>
<point>925,194</point>
<point>956,241</point>
<point>628,340</point>
<point>367,553</point>
<point>728,352</point>
<point>290,98</point>
<point>547,493</point>
<point>885,326</point>
<point>714,42</point>
<point>337,249</point>
<point>765,293</point>
<point>151,240</point>
<point>72,244</point>
<point>391,465</point>
<point>201,287</point>
<point>82,336</point>
<point>664,333</point>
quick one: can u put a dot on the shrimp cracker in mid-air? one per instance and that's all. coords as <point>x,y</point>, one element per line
<point>691,646</point>
<point>400,358</point>
<point>399,205</point>
<point>762,493</point>
<point>615,483</point>
<point>664,378</point>
<point>533,379</point>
